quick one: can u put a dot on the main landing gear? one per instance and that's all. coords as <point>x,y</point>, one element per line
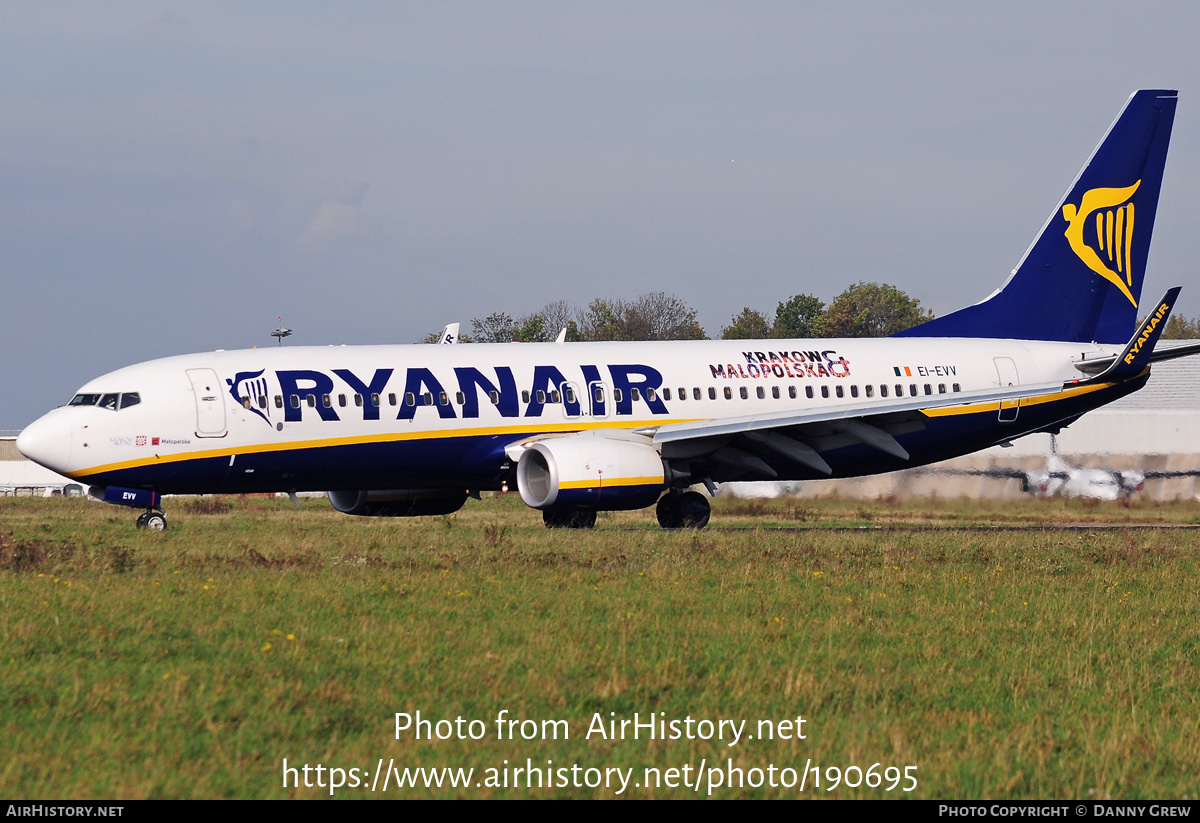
<point>686,510</point>
<point>153,520</point>
<point>569,518</point>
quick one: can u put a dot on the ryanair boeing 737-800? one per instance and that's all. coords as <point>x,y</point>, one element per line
<point>586,427</point>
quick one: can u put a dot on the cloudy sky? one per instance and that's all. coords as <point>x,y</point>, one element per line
<point>174,176</point>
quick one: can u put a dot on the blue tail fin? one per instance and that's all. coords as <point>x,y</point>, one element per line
<point>1081,280</point>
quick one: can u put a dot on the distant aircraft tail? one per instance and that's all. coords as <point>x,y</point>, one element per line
<point>1081,280</point>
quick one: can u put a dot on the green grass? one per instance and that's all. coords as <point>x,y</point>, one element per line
<point>1002,664</point>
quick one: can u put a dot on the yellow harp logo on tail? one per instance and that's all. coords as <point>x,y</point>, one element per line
<point>1113,232</point>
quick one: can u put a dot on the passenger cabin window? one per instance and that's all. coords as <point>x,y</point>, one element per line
<point>342,400</point>
<point>555,397</point>
<point>792,392</point>
<point>883,391</point>
<point>808,392</point>
<point>696,393</point>
<point>570,393</point>
<point>743,393</point>
<point>651,395</point>
<point>312,400</point>
<point>775,392</point>
<point>525,395</point>
<point>325,401</point>
<point>262,401</point>
<point>375,399</point>
<point>928,389</point>
<point>428,398</point>
<point>494,396</point>
<point>617,395</point>
<point>870,391</point>
<point>279,401</point>
<point>712,393</point>
<point>391,398</point>
<point>854,391</point>
<point>839,391</point>
<point>410,399</point>
<point>294,400</point>
<point>956,388</point>
<point>245,402</point>
<point>635,394</point>
<point>460,398</point>
<point>824,391</point>
<point>541,396</point>
<point>761,392</point>
<point>728,393</point>
<point>899,390</point>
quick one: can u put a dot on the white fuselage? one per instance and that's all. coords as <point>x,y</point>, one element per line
<point>315,417</point>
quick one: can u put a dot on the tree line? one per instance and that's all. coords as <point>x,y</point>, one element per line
<point>862,310</point>
<point>1180,327</point>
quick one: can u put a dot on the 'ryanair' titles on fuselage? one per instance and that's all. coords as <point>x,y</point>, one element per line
<point>782,364</point>
<point>495,386</point>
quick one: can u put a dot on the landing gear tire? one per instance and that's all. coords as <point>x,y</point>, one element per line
<point>154,521</point>
<point>693,510</point>
<point>569,518</point>
<point>689,510</point>
<point>668,518</point>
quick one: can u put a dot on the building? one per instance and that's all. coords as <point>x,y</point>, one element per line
<point>22,477</point>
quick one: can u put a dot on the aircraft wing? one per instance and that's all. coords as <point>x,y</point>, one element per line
<point>802,436</point>
<point>1167,474</point>
<point>996,472</point>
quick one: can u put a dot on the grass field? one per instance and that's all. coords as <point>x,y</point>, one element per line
<point>999,663</point>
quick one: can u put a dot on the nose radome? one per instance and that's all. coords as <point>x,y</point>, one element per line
<point>47,441</point>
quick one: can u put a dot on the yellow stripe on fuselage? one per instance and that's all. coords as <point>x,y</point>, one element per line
<point>392,437</point>
<point>1024,401</point>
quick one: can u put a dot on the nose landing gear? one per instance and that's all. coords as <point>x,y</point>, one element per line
<point>153,520</point>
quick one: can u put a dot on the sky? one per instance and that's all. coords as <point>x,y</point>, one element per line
<point>176,176</point>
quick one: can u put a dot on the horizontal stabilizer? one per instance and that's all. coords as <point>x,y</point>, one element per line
<point>1138,353</point>
<point>1174,352</point>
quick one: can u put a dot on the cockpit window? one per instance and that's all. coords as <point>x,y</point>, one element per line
<point>112,402</point>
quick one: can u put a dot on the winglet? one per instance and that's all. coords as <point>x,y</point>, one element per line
<point>1133,360</point>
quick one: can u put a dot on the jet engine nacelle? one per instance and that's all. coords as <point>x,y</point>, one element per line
<point>590,471</point>
<point>397,502</point>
